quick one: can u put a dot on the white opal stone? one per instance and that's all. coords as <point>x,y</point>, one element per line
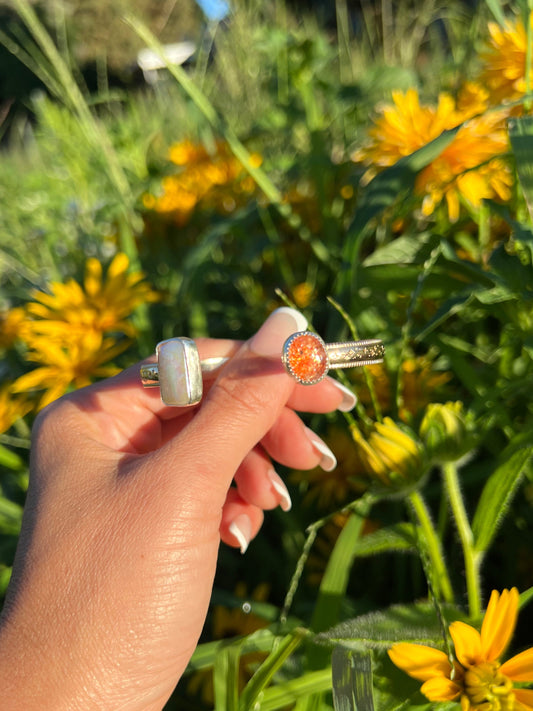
<point>180,373</point>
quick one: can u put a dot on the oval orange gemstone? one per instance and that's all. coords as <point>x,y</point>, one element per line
<point>305,357</point>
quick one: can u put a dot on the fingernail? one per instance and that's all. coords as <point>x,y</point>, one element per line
<point>281,324</point>
<point>328,460</point>
<point>280,488</point>
<point>349,399</point>
<point>241,529</point>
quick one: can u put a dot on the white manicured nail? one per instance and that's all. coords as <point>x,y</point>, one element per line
<point>349,399</point>
<point>281,324</point>
<point>328,461</point>
<point>280,488</point>
<point>241,529</point>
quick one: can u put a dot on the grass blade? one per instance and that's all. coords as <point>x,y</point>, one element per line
<point>521,137</point>
<point>226,677</point>
<point>352,680</point>
<point>269,667</point>
<point>283,695</point>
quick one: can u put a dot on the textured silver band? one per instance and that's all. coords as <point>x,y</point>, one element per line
<point>350,354</point>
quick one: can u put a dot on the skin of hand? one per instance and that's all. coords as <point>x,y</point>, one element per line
<point>127,504</point>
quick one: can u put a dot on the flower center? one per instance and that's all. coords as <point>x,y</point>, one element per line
<point>487,689</point>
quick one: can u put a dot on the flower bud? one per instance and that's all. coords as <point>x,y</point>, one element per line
<point>446,431</point>
<point>390,456</point>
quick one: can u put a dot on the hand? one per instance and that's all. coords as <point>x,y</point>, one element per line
<point>127,503</point>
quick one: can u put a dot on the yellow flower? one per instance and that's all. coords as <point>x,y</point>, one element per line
<point>63,365</point>
<point>478,678</point>
<point>99,306</point>
<point>504,71</point>
<point>11,408</point>
<point>213,180</point>
<point>389,455</point>
<point>12,325</point>
<point>469,169</point>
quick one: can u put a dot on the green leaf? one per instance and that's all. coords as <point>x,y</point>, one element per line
<point>352,680</point>
<point>205,654</point>
<point>283,695</point>
<point>403,250</point>
<point>521,136</point>
<point>384,190</point>
<point>9,459</point>
<point>336,575</point>
<point>499,490</point>
<point>397,538</point>
<point>269,667</point>
<point>495,6</point>
<point>526,597</point>
<point>10,516</point>
<point>417,623</point>
<point>226,677</point>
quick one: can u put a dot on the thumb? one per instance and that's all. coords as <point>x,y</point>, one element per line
<point>241,406</point>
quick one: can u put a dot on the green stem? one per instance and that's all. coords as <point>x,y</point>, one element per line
<point>471,559</point>
<point>529,57</point>
<point>441,580</point>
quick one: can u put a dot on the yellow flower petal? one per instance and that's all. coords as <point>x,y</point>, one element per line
<point>467,642</point>
<point>440,689</point>
<point>118,266</point>
<point>519,667</point>
<point>419,661</point>
<point>524,697</point>
<point>499,623</point>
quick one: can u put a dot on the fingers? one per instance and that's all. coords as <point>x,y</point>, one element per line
<point>241,407</point>
<point>326,396</point>
<point>294,445</point>
<point>259,484</point>
<point>240,521</point>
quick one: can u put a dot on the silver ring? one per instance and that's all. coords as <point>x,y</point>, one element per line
<point>308,359</point>
<point>178,372</point>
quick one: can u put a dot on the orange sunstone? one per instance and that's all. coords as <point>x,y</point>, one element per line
<point>305,357</point>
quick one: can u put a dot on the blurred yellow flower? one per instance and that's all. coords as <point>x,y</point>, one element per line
<point>332,489</point>
<point>11,408</point>
<point>208,179</point>
<point>478,679</point>
<point>12,325</point>
<point>99,306</point>
<point>470,168</point>
<point>504,59</point>
<point>390,456</point>
<point>420,384</point>
<point>303,294</point>
<point>62,365</point>
<point>75,331</point>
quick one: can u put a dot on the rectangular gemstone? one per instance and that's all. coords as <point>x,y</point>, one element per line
<point>180,373</point>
